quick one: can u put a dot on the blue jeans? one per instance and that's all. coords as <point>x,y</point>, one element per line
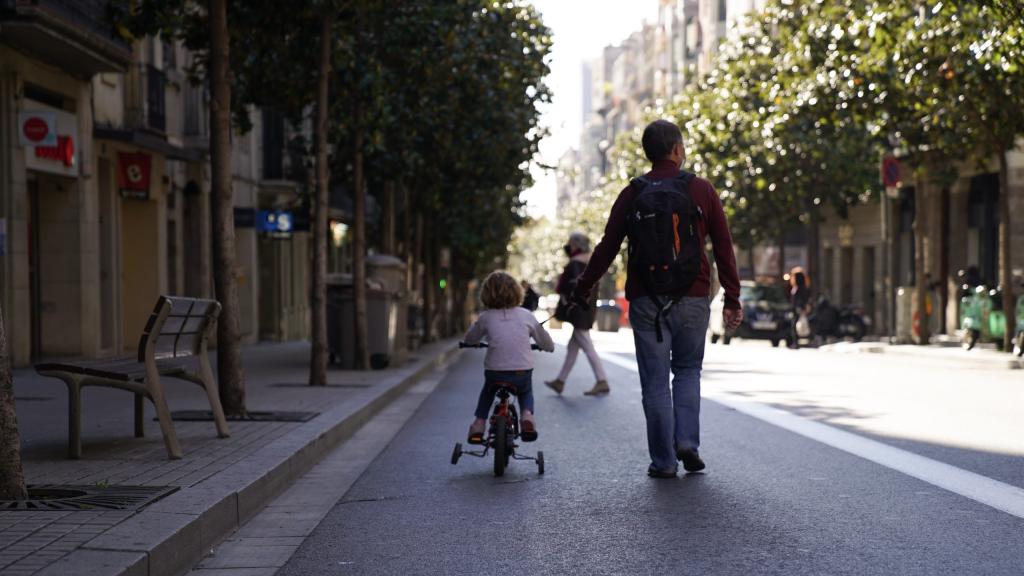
<point>521,379</point>
<point>673,416</point>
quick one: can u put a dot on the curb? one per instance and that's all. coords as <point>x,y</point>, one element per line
<point>981,359</point>
<point>171,536</point>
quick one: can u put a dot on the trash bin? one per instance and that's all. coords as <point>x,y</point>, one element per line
<point>341,346</point>
<point>389,273</point>
<point>607,318</point>
<point>906,310</point>
<point>382,320</point>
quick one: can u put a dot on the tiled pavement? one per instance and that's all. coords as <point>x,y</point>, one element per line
<point>275,375</point>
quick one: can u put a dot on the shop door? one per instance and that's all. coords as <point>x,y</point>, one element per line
<point>140,273</point>
<point>846,275</point>
<point>33,267</point>
<point>270,290</point>
<point>55,286</point>
<point>109,312</point>
<point>869,283</point>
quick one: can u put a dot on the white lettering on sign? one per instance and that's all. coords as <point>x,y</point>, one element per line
<point>37,128</point>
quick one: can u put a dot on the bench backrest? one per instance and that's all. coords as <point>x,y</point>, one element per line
<point>178,327</point>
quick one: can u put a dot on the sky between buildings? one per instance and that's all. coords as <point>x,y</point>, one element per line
<point>581,29</point>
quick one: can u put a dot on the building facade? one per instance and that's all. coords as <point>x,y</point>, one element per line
<point>105,190</point>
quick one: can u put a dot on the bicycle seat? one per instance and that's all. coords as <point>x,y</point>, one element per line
<point>499,386</point>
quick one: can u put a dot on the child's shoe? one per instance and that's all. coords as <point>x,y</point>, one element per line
<point>476,431</point>
<point>529,428</point>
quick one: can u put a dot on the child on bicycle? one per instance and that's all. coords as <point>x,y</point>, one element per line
<point>508,329</point>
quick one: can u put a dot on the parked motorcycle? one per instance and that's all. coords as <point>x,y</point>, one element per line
<point>982,316</point>
<point>828,321</point>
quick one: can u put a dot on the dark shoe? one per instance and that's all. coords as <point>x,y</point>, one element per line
<point>600,388</point>
<point>655,473</point>
<point>556,385</point>
<point>690,459</point>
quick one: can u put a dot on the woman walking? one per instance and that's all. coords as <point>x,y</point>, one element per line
<point>578,251</point>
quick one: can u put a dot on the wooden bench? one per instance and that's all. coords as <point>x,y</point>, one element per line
<point>178,329</point>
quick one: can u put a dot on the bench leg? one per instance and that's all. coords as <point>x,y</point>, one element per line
<point>74,418</point>
<point>166,425</point>
<point>140,415</point>
<point>210,384</point>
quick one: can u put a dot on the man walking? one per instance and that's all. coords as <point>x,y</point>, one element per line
<point>668,214</point>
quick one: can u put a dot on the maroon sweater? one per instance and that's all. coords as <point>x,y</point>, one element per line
<point>712,223</point>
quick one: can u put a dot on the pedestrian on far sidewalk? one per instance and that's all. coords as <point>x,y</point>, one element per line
<point>581,318</point>
<point>667,215</point>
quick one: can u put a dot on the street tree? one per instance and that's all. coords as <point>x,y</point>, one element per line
<point>206,31</point>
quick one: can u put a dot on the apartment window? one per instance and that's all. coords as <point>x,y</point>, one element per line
<point>273,145</point>
<point>170,57</point>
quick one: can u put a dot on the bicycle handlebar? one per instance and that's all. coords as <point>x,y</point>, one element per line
<point>484,345</point>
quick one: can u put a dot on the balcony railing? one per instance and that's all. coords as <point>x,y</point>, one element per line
<point>79,36</point>
<point>145,98</point>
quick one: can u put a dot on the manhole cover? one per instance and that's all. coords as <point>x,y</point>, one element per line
<point>48,497</point>
<point>252,416</point>
<point>306,385</point>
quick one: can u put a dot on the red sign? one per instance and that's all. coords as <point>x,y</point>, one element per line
<point>890,172</point>
<point>63,152</point>
<point>133,174</point>
<point>35,129</point>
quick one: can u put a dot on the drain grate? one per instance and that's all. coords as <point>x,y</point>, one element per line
<point>252,416</point>
<point>49,497</point>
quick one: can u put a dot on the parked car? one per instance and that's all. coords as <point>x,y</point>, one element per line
<point>766,315</point>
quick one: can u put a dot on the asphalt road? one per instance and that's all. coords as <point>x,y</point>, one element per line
<point>773,501</point>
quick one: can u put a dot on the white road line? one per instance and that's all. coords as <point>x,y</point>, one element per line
<point>998,495</point>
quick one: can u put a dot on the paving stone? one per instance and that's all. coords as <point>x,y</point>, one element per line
<point>98,563</point>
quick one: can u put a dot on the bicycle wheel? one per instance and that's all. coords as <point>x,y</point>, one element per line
<point>540,462</point>
<point>500,445</point>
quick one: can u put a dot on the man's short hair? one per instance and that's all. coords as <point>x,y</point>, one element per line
<point>660,137</point>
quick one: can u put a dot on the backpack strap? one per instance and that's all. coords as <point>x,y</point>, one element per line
<point>662,309</point>
<point>639,183</point>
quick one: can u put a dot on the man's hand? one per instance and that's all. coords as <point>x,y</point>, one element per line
<point>577,300</point>
<point>732,318</point>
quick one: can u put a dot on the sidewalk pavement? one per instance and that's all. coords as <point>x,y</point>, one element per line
<point>220,483</point>
<point>946,353</point>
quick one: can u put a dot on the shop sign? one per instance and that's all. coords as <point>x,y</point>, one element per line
<point>56,151</point>
<point>133,175</point>
<point>37,128</point>
<point>275,223</point>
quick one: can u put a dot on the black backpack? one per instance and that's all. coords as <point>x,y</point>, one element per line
<point>665,246</point>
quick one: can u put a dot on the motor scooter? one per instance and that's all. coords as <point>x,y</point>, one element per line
<point>982,317</point>
<point>1018,341</point>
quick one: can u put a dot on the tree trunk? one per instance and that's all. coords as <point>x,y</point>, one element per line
<point>1005,260</point>
<point>920,230</point>
<point>229,349</point>
<point>318,308</point>
<point>359,252</point>
<point>813,241</point>
<point>782,257</point>
<point>12,477</point>
<point>406,223</point>
<point>387,244</point>
<point>429,289</point>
